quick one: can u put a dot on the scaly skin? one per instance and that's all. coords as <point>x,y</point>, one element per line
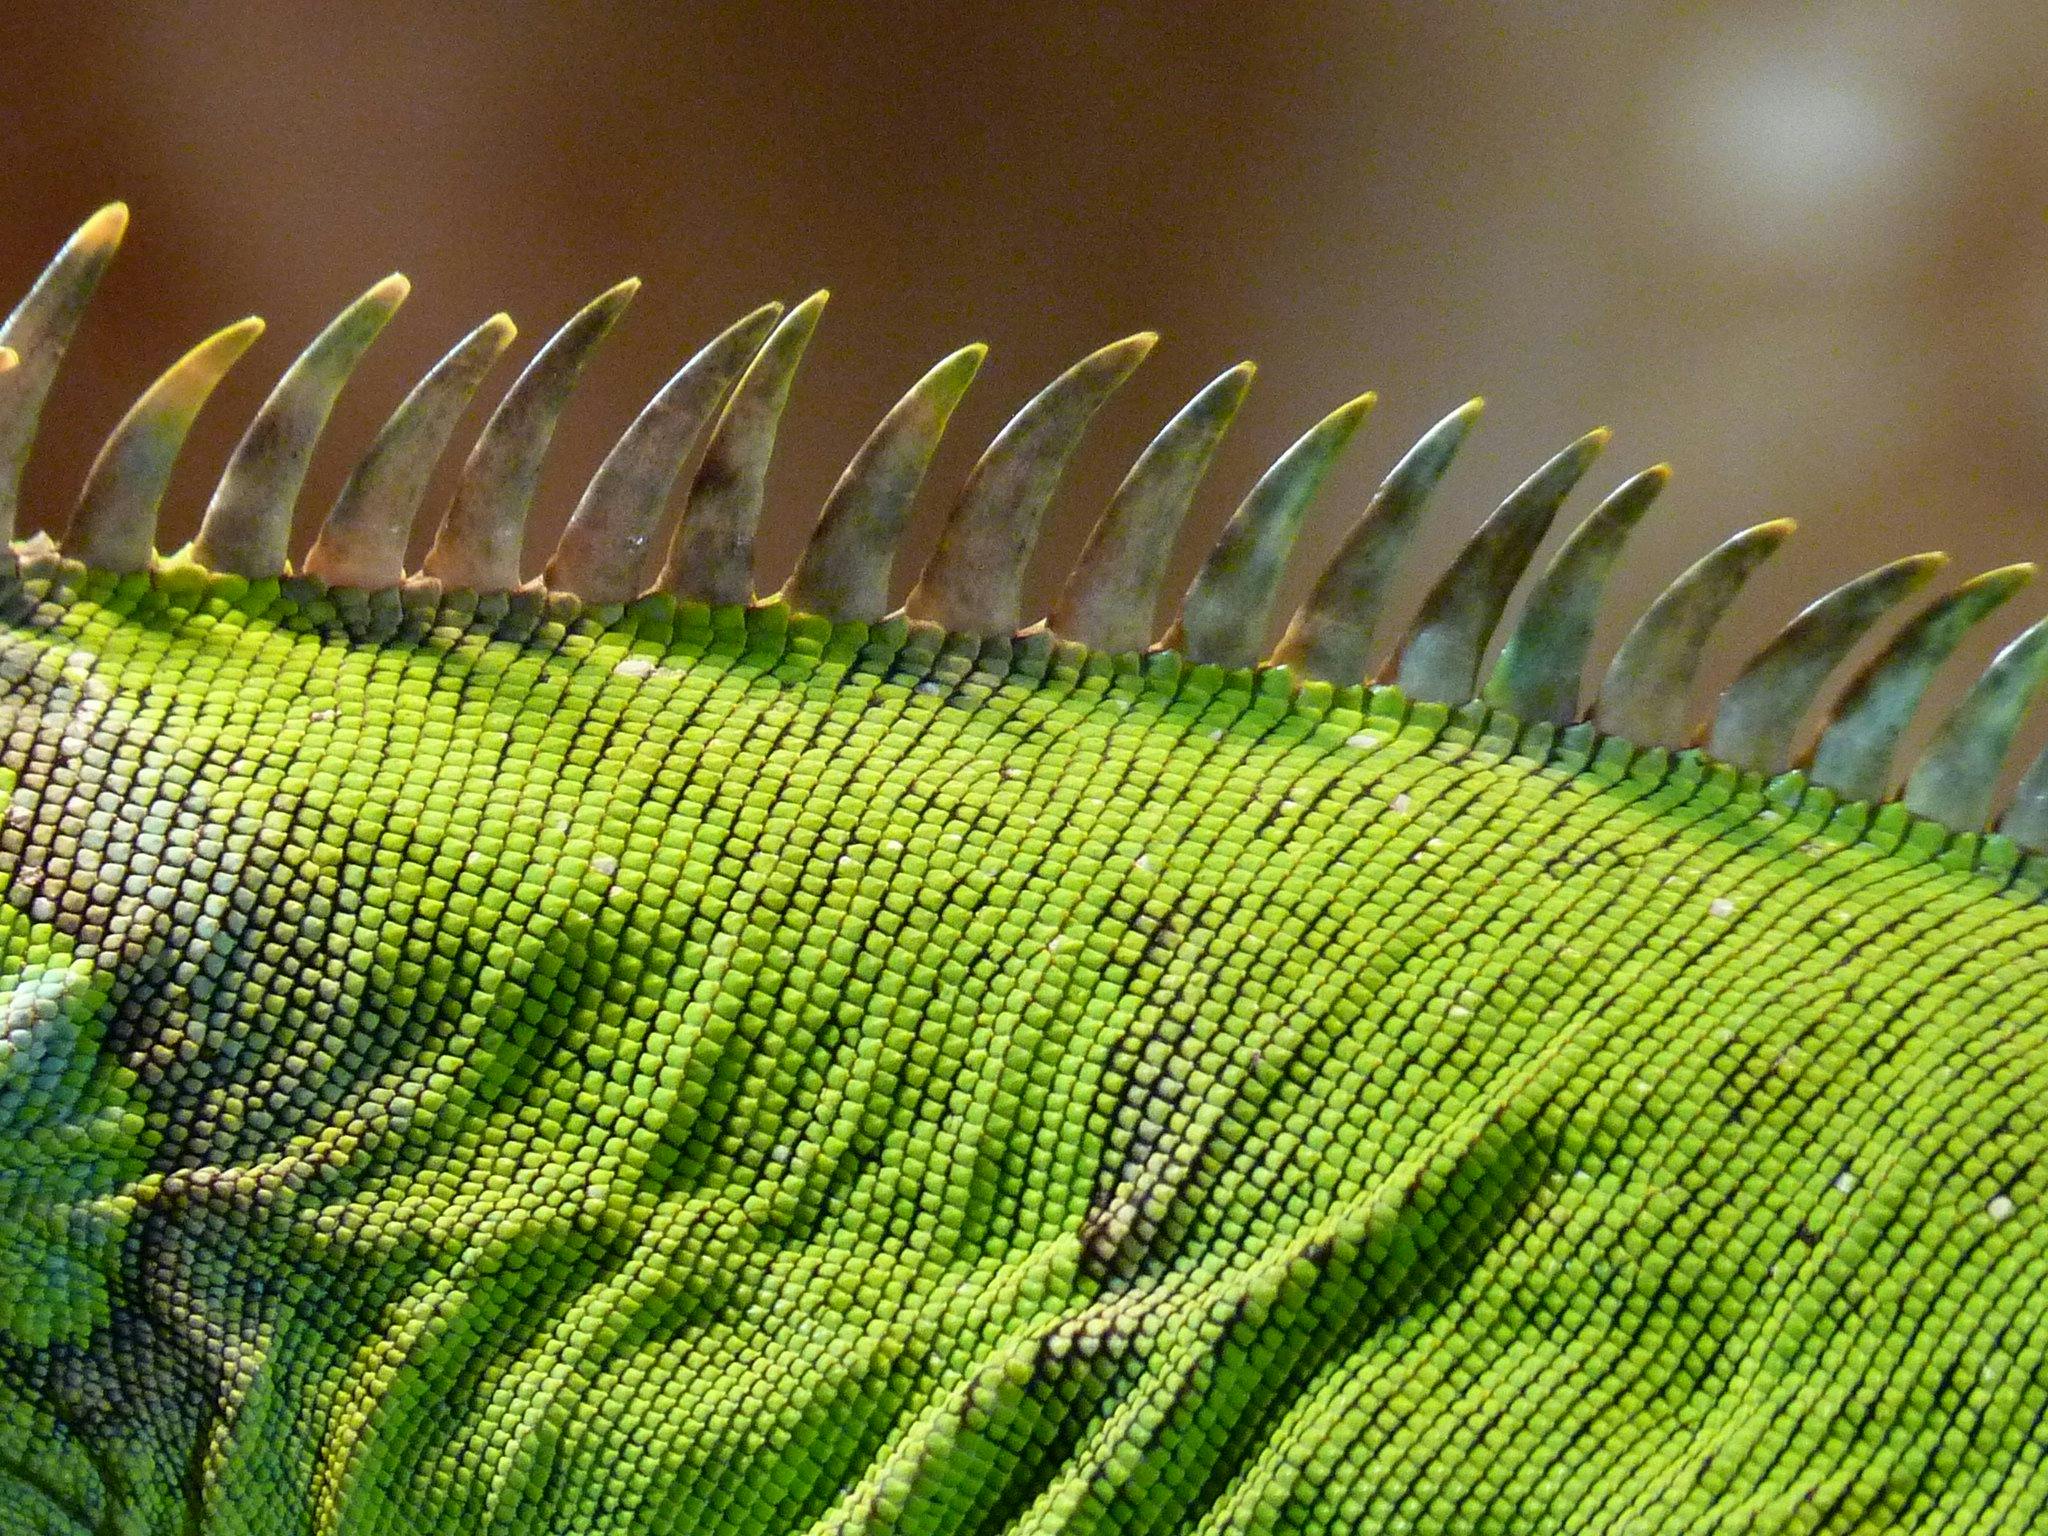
<point>697,1071</point>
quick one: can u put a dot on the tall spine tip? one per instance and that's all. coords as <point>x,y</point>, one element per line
<point>103,231</point>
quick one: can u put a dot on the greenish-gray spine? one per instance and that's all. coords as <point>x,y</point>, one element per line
<point>680,1069</point>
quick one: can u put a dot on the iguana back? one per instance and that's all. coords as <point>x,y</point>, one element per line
<point>548,1058</point>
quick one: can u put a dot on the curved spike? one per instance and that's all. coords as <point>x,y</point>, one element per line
<point>1762,708</point>
<point>2026,820</point>
<point>1544,662</point>
<point>248,524</point>
<point>1223,618</point>
<point>843,572</point>
<point>478,545</point>
<point>1958,773</point>
<point>1439,659</point>
<point>602,553</point>
<point>1646,695</point>
<point>1113,592</point>
<point>711,557</point>
<point>113,527</point>
<point>1330,636</point>
<point>362,542</point>
<point>38,332</point>
<point>973,583</point>
<point>1854,756</point>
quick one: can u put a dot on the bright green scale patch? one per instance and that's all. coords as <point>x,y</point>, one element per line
<point>715,1072</point>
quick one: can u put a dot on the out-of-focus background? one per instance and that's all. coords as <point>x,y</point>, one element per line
<point>1797,249</point>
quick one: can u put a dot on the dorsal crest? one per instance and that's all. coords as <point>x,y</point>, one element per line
<point>723,408</point>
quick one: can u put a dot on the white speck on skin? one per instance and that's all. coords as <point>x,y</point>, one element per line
<point>605,865</point>
<point>1845,1181</point>
<point>1721,906</point>
<point>1217,734</point>
<point>635,666</point>
<point>2001,1206</point>
<point>1401,803</point>
<point>1365,741</point>
<point>1144,862</point>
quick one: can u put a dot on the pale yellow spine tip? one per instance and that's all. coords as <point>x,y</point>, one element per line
<point>8,358</point>
<point>392,290</point>
<point>106,226</point>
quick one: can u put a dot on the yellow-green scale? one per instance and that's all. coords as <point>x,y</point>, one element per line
<point>662,1068</point>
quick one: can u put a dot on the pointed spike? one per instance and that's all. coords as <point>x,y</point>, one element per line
<point>113,527</point>
<point>711,557</point>
<point>1544,662</point>
<point>247,527</point>
<point>1113,592</point>
<point>1646,695</point>
<point>974,582</point>
<point>602,553</point>
<point>1854,757</point>
<point>844,572</point>
<point>1330,636</point>
<point>1958,773</point>
<point>362,542</point>
<point>1229,604</point>
<point>1760,712</point>
<point>1439,659</point>
<point>2026,820</point>
<point>481,538</point>
<point>38,332</point>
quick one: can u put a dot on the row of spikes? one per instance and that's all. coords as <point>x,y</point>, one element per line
<point>731,395</point>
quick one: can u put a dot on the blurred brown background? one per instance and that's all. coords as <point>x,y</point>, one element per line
<point>1799,250</point>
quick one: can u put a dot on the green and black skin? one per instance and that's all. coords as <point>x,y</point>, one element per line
<point>573,1055</point>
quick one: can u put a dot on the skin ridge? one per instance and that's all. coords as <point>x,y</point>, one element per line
<point>532,617</point>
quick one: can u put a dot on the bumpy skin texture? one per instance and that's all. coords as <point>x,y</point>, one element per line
<point>685,1071</point>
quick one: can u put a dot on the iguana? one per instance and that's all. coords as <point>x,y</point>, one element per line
<point>601,1055</point>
